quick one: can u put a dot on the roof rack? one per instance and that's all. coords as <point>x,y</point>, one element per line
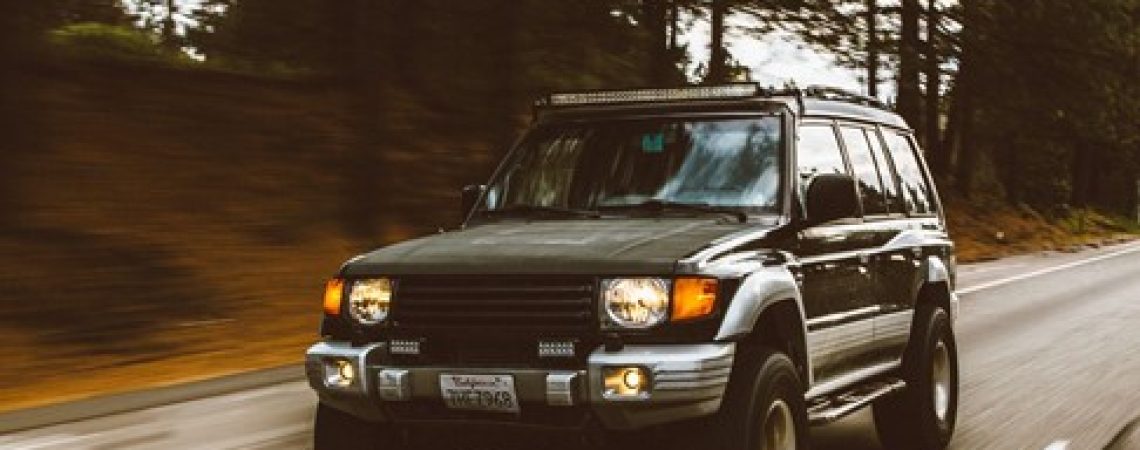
<point>711,92</point>
<point>842,95</point>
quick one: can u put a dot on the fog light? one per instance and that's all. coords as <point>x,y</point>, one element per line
<point>632,379</point>
<point>626,382</point>
<point>339,373</point>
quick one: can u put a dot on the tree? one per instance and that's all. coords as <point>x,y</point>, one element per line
<point>1054,113</point>
<point>932,137</point>
<point>873,50</point>
<point>909,94</point>
<point>657,21</point>
<point>169,25</point>
<point>718,70</point>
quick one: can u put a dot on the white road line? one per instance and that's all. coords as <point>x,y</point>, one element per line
<point>43,442</point>
<point>992,284</point>
<point>1058,445</point>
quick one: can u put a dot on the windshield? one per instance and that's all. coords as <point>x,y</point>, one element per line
<point>724,163</point>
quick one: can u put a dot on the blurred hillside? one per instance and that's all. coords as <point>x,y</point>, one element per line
<point>169,215</point>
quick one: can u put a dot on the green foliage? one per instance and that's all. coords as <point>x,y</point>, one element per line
<point>443,44</point>
<point>23,23</point>
<point>101,42</point>
<point>1058,111</point>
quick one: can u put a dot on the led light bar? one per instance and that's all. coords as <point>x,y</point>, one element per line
<point>404,347</point>
<point>728,91</point>
<point>556,349</point>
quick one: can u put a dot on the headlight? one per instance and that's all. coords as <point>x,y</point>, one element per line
<point>369,300</point>
<point>635,302</point>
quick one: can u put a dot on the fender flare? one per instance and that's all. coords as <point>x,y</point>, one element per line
<point>758,292</point>
<point>936,270</point>
<point>937,273</point>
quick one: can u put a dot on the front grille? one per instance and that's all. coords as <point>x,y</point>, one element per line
<point>482,321</point>
<point>556,304</point>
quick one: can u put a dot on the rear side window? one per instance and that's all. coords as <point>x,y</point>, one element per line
<point>818,153</point>
<point>866,172</point>
<point>916,193</point>
<point>895,202</point>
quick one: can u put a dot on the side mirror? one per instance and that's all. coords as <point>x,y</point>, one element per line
<point>831,197</point>
<point>470,195</point>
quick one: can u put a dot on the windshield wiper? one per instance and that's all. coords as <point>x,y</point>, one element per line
<point>535,209</point>
<point>665,205</point>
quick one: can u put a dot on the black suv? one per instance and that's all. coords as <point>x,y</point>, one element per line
<point>752,260</point>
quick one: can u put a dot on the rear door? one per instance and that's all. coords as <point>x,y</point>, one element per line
<point>898,272</point>
<point>882,219</point>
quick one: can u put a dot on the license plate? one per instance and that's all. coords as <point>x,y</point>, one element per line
<point>494,393</point>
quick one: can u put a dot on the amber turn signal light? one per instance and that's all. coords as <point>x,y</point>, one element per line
<point>693,298</point>
<point>334,290</point>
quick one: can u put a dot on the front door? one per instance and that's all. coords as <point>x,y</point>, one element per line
<point>835,279</point>
<point>836,283</point>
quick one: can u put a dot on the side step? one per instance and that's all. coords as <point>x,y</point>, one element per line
<point>830,409</point>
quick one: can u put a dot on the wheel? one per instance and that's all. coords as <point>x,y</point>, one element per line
<point>923,415</point>
<point>336,430</point>
<point>764,405</point>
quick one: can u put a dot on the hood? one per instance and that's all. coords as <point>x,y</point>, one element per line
<point>589,246</point>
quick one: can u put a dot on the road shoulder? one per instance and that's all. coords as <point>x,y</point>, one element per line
<point>147,398</point>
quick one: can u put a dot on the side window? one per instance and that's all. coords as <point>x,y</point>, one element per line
<point>895,203</point>
<point>866,172</point>
<point>911,178</point>
<point>818,153</point>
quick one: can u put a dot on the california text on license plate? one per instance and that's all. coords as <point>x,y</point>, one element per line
<point>479,392</point>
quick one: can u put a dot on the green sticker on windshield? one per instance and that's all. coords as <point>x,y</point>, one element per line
<point>653,142</point>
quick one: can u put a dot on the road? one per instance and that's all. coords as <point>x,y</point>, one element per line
<point>1049,348</point>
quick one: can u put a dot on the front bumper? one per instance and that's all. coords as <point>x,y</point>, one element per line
<point>686,381</point>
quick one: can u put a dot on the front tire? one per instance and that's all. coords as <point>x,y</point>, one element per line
<point>337,430</point>
<point>923,415</point>
<point>764,405</point>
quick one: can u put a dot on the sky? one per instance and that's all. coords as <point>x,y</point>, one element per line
<point>775,58</point>
<point>183,21</point>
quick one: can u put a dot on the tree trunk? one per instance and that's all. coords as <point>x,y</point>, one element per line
<point>20,110</point>
<point>365,172</point>
<point>674,25</point>
<point>718,56</point>
<point>656,20</point>
<point>873,48</point>
<point>1081,173</point>
<point>939,157</point>
<point>169,27</point>
<point>909,100</point>
<point>964,93</point>
<point>11,130</point>
<point>506,68</point>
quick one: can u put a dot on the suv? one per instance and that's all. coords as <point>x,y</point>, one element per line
<point>748,260</point>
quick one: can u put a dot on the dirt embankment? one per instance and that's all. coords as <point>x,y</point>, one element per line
<point>161,226</point>
<point>985,229</point>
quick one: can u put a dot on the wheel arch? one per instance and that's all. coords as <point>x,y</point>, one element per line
<point>936,289</point>
<point>768,310</point>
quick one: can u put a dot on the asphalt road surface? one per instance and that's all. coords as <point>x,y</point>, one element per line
<point>1049,348</point>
